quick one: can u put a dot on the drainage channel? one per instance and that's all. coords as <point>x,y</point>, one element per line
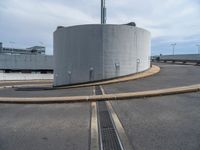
<point>108,136</point>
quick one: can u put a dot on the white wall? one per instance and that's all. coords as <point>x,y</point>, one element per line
<point>24,76</point>
<point>76,50</point>
<point>111,50</point>
<point>124,46</point>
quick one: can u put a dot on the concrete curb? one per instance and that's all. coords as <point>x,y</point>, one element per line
<point>25,85</point>
<point>119,96</point>
<point>94,138</point>
<point>24,81</point>
<point>153,70</point>
<point>119,127</point>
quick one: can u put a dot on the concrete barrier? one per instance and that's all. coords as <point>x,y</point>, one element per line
<point>24,76</point>
<point>186,58</point>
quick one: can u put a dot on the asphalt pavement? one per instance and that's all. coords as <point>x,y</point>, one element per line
<point>157,123</point>
<point>162,123</point>
<point>44,127</point>
<point>170,75</point>
<point>44,92</point>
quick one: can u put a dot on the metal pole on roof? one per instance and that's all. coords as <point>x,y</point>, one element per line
<point>103,12</point>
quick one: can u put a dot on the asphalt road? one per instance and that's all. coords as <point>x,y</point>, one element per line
<point>44,127</point>
<point>169,76</point>
<point>44,92</point>
<point>162,123</point>
<point>157,123</point>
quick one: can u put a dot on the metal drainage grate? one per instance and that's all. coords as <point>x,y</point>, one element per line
<point>108,135</point>
<point>98,90</point>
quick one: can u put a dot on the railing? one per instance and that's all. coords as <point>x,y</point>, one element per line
<point>174,59</point>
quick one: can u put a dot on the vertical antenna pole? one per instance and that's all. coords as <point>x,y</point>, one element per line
<point>103,12</point>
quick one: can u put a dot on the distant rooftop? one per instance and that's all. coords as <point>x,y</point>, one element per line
<point>35,50</point>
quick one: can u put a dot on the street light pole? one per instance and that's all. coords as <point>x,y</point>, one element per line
<point>173,47</point>
<point>103,12</point>
<point>11,46</point>
<point>198,46</point>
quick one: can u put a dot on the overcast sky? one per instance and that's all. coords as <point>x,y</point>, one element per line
<point>25,23</point>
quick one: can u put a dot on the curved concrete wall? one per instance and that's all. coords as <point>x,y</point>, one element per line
<point>95,52</point>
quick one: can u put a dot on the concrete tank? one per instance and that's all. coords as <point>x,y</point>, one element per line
<point>87,53</point>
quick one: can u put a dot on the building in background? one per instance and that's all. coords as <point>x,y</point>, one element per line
<point>29,63</point>
<point>31,51</point>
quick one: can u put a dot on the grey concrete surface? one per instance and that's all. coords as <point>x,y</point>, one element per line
<point>94,52</point>
<point>162,123</point>
<point>44,127</point>
<point>171,75</point>
<point>44,92</point>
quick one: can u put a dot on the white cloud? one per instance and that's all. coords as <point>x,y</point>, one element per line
<point>162,18</point>
<point>30,21</point>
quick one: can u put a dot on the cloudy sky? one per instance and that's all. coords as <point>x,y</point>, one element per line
<point>24,23</point>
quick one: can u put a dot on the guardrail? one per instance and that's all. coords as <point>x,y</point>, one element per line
<point>194,59</point>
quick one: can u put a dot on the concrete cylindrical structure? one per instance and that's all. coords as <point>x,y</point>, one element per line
<point>95,52</point>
